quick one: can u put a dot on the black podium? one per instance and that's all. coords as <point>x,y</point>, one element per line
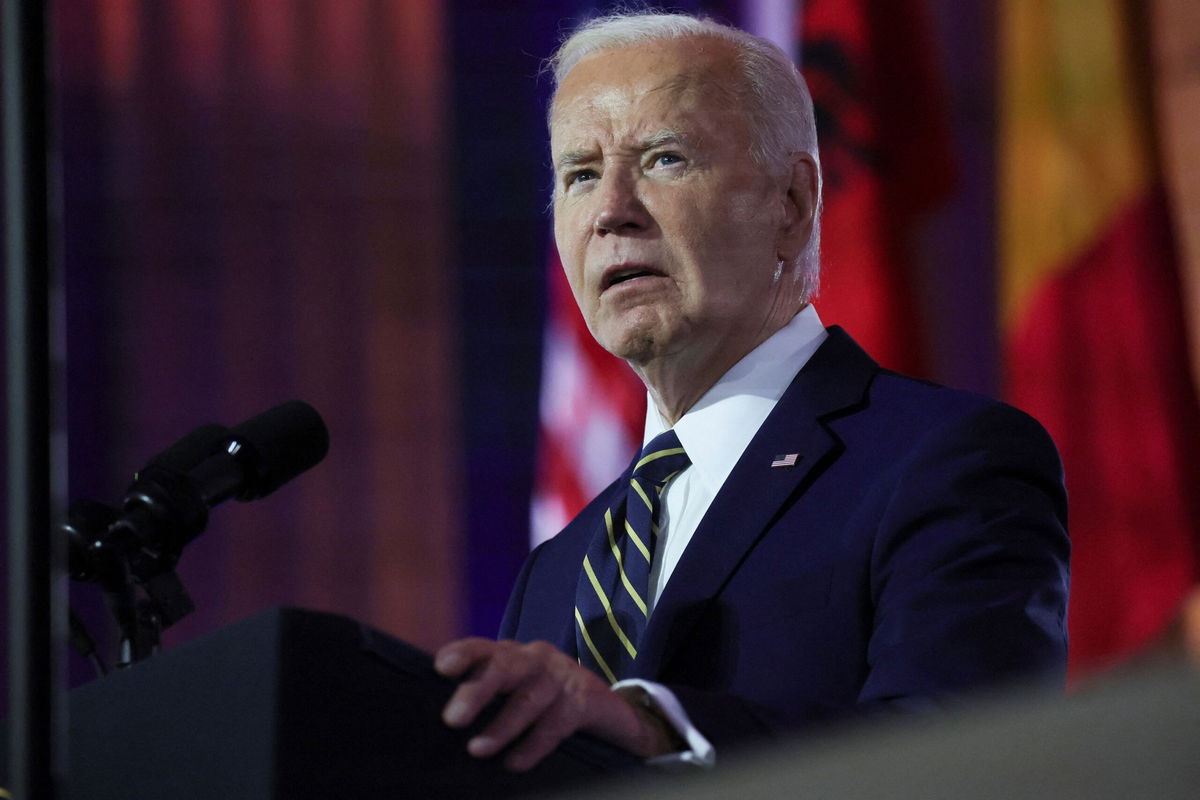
<point>293,704</point>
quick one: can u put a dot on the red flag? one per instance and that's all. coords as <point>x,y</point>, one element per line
<point>884,135</point>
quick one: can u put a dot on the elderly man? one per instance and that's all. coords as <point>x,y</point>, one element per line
<point>805,535</point>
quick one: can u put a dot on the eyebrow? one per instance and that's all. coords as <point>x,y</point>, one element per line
<point>573,157</point>
<point>663,137</point>
<point>658,139</point>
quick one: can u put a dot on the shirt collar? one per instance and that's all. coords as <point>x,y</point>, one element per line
<point>716,430</point>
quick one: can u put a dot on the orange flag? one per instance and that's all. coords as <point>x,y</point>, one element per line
<point>1094,340</point>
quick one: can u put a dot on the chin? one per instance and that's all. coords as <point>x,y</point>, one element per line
<point>637,335</point>
<point>636,347</point>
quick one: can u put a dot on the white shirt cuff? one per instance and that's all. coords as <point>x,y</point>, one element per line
<point>663,701</point>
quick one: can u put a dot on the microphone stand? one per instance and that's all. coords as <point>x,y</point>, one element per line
<point>167,506</point>
<point>95,557</point>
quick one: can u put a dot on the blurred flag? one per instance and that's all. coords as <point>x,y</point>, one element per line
<point>593,408</point>
<point>887,160</point>
<point>1176,38</point>
<point>1094,339</point>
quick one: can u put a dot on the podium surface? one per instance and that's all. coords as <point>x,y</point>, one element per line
<point>299,704</point>
<point>293,704</point>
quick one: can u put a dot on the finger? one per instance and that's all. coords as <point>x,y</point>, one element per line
<point>559,722</point>
<point>457,657</point>
<point>527,703</point>
<point>585,702</point>
<point>502,672</point>
<point>465,704</point>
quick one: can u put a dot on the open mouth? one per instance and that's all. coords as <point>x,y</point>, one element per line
<point>627,273</point>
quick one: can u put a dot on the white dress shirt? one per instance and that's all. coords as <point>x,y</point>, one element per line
<point>715,432</point>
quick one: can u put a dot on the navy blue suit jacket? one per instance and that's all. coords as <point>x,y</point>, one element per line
<point>917,550</point>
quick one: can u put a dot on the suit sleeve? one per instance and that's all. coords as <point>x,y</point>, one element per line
<point>968,579</point>
<point>969,576</point>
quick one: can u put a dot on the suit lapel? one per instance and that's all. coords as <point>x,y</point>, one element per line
<point>834,380</point>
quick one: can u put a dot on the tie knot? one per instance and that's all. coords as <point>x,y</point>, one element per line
<point>661,459</point>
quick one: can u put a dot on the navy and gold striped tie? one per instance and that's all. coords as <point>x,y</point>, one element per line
<point>611,600</point>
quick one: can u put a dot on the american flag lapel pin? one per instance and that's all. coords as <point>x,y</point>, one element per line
<point>785,460</point>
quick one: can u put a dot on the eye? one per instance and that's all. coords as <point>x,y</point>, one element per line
<point>579,176</point>
<point>666,160</point>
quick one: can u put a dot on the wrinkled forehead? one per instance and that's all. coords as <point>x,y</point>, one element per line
<point>683,75</point>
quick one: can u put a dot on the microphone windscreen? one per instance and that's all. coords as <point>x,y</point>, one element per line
<point>188,452</point>
<point>277,445</point>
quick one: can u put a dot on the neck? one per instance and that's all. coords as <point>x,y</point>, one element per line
<point>676,382</point>
<point>675,390</point>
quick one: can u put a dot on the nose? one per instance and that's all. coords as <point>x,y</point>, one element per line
<point>620,210</point>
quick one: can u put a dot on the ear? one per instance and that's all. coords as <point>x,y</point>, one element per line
<point>803,189</point>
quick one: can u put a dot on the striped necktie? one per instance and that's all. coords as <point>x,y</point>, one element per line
<point>610,601</point>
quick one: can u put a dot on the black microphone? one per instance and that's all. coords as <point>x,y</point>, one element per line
<point>167,504</point>
<point>262,454</point>
<point>193,448</point>
<point>87,520</point>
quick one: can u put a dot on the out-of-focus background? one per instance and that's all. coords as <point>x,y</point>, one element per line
<point>345,201</point>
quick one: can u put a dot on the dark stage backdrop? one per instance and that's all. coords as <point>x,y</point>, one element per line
<point>258,208</point>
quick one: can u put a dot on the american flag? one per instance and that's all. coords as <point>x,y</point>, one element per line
<point>593,409</point>
<point>788,460</point>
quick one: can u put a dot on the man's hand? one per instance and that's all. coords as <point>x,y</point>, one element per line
<point>550,697</point>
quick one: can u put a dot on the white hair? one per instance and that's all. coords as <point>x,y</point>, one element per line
<point>776,98</point>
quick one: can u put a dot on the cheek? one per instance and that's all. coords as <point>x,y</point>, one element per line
<point>747,208</point>
<point>573,271</point>
<point>572,266</point>
<point>566,239</point>
<point>732,231</point>
<point>572,229</point>
<point>751,200</point>
<point>745,228</point>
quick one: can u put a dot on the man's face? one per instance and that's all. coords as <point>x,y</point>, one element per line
<point>668,230</point>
